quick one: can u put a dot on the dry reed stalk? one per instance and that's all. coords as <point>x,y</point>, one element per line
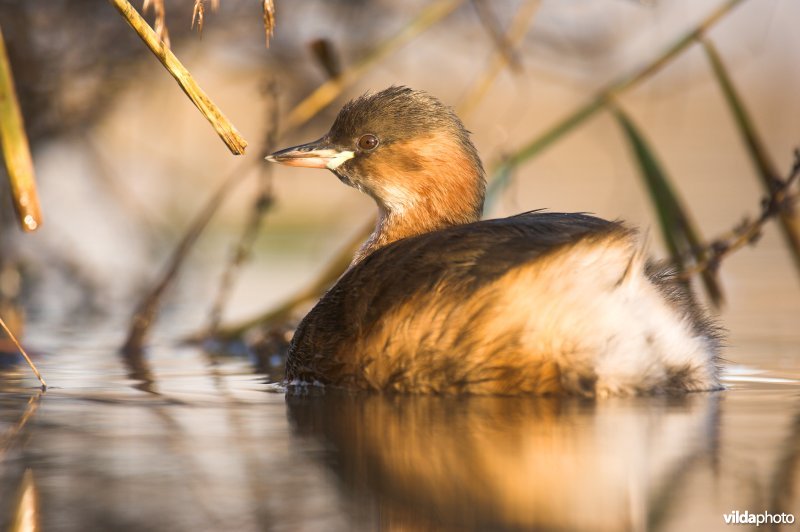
<point>268,7</point>
<point>517,31</point>
<point>227,132</point>
<point>23,353</point>
<point>161,18</point>
<point>331,89</point>
<point>16,150</point>
<point>782,489</point>
<point>198,14</point>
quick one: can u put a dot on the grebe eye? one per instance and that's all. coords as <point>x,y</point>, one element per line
<point>368,142</point>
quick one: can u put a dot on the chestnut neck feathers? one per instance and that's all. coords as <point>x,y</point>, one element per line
<point>424,173</point>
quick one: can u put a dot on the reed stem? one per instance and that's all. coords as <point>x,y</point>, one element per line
<point>226,131</point>
<point>16,150</point>
<point>331,89</point>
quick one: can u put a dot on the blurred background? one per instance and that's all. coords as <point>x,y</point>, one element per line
<point>124,160</point>
<point>183,439</point>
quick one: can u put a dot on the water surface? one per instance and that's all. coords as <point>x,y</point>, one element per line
<point>207,444</point>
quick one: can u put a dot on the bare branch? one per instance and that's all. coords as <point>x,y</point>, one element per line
<point>749,231</point>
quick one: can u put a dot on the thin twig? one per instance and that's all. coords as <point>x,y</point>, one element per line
<point>227,132</point>
<point>749,231</point>
<point>23,353</point>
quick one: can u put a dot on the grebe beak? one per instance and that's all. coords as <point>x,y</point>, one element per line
<point>317,154</point>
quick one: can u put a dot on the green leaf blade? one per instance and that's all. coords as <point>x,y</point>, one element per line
<point>677,228</point>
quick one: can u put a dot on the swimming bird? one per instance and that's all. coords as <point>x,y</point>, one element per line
<point>437,301</point>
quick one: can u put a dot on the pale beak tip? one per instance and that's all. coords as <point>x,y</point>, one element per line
<point>271,158</point>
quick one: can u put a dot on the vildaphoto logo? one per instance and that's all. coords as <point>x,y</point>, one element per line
<point>764,518</point>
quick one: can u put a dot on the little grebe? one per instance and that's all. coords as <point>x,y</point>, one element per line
<point>438,302</point>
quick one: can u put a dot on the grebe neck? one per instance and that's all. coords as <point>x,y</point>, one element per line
<point>404,213</point>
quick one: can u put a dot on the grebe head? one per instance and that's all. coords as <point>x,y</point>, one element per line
<point>409,152</point>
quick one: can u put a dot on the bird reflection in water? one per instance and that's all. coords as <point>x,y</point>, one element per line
<point>419,463</point>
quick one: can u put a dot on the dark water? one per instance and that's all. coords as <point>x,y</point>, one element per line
<point>209,445</point>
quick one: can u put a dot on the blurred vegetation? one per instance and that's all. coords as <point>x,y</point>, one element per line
<point>64,84</point>
<point>17,154</point>
<point>689,251</point>
<point>157,44</point>
<point>767,171</point>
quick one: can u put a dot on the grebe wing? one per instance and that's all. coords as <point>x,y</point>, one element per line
<point>457,260</point>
